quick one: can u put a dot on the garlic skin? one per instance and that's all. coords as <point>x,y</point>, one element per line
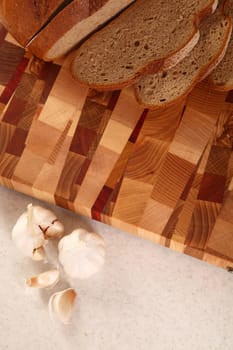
<point>26,235</point>
<point>62,304</point>
<point>38,254</point>
<point>47,279</point>
<point>81,253</point>
<point>48,222</point>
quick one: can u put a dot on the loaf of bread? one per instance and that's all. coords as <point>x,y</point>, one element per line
<point>149,36</point>
<point>51,28</point>
<point>167,87</point>
<point>222,76</point>
<point>73,24</point>
<point>24,18</point>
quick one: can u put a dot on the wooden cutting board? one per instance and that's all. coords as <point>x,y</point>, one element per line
<point>164,175</point>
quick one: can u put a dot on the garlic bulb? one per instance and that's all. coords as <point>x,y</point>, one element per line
<point>81,253</point>
<point>62,304</point>
<point>45,279</point>
<point>33,228</point>
<point>26,234</point>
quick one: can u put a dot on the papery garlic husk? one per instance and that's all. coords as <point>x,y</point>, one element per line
<point>48,222</point>
<point>38,254</point>
<point>62,304</point>
<point>47,279</point>
<point>81,253</point>
<point>26,234</point>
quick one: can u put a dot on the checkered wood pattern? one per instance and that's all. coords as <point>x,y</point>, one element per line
<point>165,175</point>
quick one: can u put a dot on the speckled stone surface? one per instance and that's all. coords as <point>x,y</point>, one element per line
<point>145,298</point>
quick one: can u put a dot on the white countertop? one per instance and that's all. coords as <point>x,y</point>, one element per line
<point>146,297</point>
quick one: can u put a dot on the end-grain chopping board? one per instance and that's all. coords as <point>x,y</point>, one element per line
<point>164,175</point>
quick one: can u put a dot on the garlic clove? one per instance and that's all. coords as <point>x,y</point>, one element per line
<point>48,222</point>
<point>55,230</point>
<point>62,304</point>
<point>30,219</point>
<point>39,254</point>
<point>81,253</point>
<point>46,279</point>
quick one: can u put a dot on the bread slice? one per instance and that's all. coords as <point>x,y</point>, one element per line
<point>147,37</point>
<point>23,18</point>
<point>162,89</point>
<point>73,24</point>
<point>222,76</point>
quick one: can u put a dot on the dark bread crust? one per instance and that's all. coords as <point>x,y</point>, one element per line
<point>225,86</point>
<point>24,18</point>
<point>95,5</point>
<point>75,12</point>
<point>153,66</point>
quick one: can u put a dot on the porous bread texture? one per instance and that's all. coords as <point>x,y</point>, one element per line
<point>162,89</point>
<point>222,76</point>
<point>23,18</point>
<point>147,37</point>
<point>73,24</point>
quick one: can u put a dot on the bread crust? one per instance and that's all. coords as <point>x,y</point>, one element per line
<point>24,18</point>
<point>74,13</point>
<point>201,76</point>
<point>222,87</point>
<point>158,65</point>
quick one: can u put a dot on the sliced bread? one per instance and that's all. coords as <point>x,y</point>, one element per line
<point>73,24</point>
<point>162,89</point>
<point>23,18</point>
<point>222,76</point>
<point>147,37</point>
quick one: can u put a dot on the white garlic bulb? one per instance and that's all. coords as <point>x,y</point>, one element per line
<point>27,236</point>
<point>81,253</point>
<point>33,228</point>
